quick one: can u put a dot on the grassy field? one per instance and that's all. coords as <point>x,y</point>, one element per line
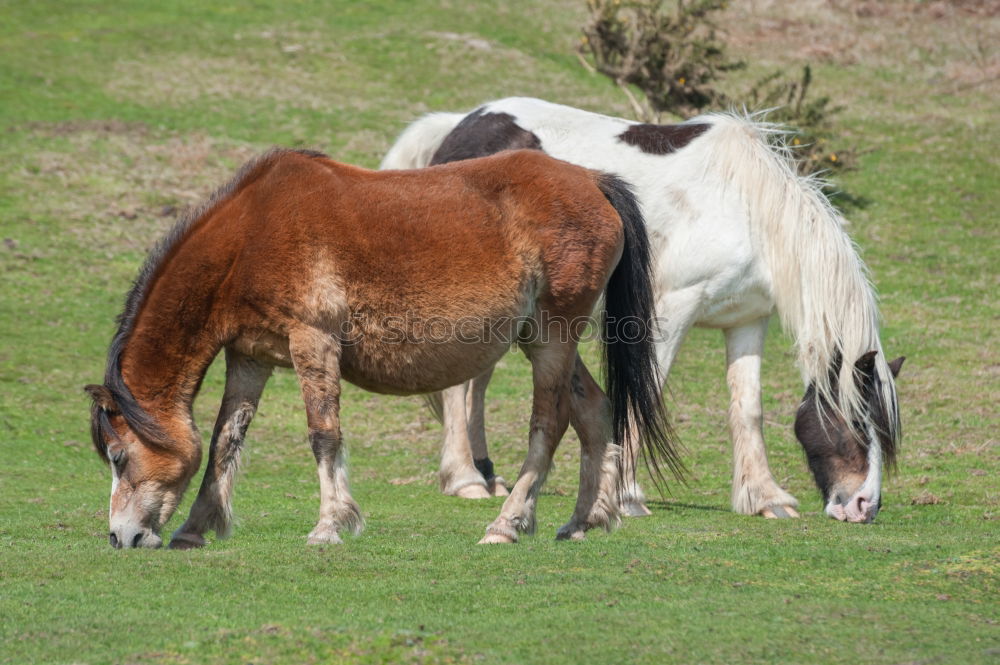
<point>114,117</point>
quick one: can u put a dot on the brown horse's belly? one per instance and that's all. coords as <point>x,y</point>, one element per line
<point>417,356</point>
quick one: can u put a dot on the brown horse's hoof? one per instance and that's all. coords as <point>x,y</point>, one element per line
<point>571,531</point>
<point>497,539</point>
<point>779,513</point>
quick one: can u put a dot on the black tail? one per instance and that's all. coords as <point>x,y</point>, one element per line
<point>630,370</point>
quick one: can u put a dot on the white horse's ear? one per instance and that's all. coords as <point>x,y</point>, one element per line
<point>895,365</point>
<point>866,363</point>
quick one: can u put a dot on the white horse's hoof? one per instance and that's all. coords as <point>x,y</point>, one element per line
<point>635,509</point>
<point>779,513</point>
<point>474,491</point>
<point>186,541</point>
<point>498,486</point>
<point>324,536</point>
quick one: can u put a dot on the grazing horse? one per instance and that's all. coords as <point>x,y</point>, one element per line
<point>399,282</point>
<point>736,234</point>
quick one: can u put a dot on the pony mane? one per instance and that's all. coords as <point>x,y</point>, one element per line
<point>137,418</point>
<point>821,286</point>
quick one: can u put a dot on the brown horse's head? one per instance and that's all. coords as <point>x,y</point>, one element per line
<point>847,458</point>
<point>148,474</point>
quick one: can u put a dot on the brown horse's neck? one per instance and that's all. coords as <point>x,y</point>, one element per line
<point>175,336</point>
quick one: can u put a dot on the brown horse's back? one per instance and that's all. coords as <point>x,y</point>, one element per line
<point>391,260</point>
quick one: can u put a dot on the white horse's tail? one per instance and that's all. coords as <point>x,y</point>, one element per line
<point>819,283</point>
<point>416,146</point>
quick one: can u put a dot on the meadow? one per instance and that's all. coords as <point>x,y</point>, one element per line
<point>116,117</point>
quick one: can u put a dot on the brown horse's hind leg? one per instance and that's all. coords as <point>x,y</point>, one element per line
<point>551,367</point>
<point>212,510</point>
<point>597,501</point>
<point>316,357</point>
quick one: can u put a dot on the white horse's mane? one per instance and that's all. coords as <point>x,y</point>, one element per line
<point>820,285</point>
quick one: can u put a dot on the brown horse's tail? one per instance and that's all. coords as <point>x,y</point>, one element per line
<point>629,327</point>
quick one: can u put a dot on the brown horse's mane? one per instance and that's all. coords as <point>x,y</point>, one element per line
<point>125,404</point>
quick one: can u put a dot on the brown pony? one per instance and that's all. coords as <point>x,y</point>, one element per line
<point>399,282</point>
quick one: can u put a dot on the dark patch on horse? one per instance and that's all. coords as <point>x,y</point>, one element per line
<point>485,466</point>
<point>833,445</point>
<point>481,134</point>
<point>126,405</point>
<point>662,139</point>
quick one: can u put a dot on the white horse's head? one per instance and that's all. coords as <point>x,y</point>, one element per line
<point>847,456</point>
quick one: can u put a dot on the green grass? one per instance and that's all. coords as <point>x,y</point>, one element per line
<point>114,117</point>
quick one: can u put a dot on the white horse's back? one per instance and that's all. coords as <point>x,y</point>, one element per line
<point>416,145</point>
<point>737,234</point>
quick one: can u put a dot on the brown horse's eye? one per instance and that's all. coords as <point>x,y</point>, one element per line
<point>118,459</point>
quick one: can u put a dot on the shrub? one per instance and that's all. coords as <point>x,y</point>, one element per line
<point>671,53</point>
<point>669,50</point>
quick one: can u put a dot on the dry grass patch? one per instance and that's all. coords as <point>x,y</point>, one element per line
<point>280,79</point>
<point>118,185</point>
<point>949,45</point>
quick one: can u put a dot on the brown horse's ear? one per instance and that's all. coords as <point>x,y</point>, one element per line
<point>102,397</point>
<point>866,363</point>
<point>895,365</point>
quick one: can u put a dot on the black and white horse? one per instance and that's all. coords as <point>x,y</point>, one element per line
<point>737,234</point>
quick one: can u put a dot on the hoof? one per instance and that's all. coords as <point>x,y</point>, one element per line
<point>324,536</point>
<point>186,541</point>
<point>497,539</point>
<point>571,531</point>
<point>498,486</point>
<point>474,491</point>
<point>635,509</point>
<point>779,513</point>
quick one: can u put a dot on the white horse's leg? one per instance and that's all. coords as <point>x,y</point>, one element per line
<point>458,475</point>
<point>675,311</point>
<point>476,413</point>
<point>316,357</point>
<point>551,367</point>
<point>597,500</point>
<point>755,491</point>
<point>212,509</point>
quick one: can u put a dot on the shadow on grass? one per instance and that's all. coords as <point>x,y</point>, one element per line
<point>667,505</point>
<point>846,203</point>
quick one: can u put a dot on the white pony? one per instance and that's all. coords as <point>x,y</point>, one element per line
<point>736,234</point>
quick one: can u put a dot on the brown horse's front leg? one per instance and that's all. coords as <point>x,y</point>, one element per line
<point>212,510</point>
<point>316,357</point>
